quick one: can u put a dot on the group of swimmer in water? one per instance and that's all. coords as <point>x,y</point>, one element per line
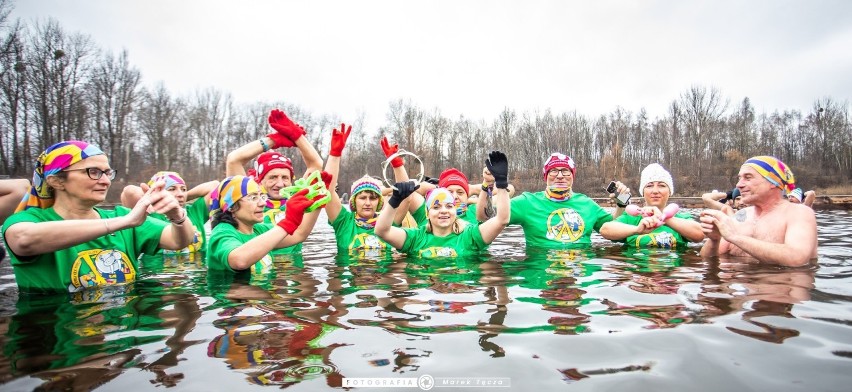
<point>58,238</point>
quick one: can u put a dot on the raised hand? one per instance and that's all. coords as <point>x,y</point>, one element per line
<point>390,150</point>
<point>401,191</point>
<point>498,165</point>
<point>338,139</point>
<point>286,131</point>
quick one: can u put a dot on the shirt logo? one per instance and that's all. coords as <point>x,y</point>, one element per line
<point>100,267</point>
<point>437,251</point>
<point>565,225</point>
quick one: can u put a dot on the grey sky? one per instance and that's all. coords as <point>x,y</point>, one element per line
<point>477,57</point>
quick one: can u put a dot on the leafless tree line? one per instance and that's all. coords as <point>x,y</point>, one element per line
<point>57,86</point>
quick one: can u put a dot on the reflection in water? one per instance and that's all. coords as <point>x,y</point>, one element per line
<point>542,318</point>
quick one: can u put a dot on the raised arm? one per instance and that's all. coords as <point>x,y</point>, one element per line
<point>131,194</point>
<point>332,167</point>
<point>11,193</point>
<point>201,190</point>
<point>810,197</point>
<point>498,165</point>
<point>400,174</point>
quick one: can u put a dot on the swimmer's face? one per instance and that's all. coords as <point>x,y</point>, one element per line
<point>753,186</point>
<point>458,192</point>
<point>276,180</point>
<point>656,194</point>
<point>560,177</point>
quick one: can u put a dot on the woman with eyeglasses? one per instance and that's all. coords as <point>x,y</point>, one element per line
<point>196,201</point>
<point>60,241</point>
<point>650,229</point>
<point>445,234</point>
<point>240,239</point>
<point>558,217</point>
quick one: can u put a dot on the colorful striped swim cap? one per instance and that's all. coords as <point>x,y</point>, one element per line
<point>774,171</point>
<point>54,159</point>
<point>362,184</point>
<point>171,178</point>
<point>439,196</point>
<point>231,190</point>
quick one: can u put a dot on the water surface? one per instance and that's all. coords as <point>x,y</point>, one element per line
<point>605,318</point>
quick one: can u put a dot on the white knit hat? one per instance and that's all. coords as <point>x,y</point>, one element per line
<point>655,172</point>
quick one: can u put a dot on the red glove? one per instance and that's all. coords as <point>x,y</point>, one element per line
<point>338,140</point>
<point>279,140</point>
<point>284,127</point>
<point>295,211</point>
<point>390,150</point>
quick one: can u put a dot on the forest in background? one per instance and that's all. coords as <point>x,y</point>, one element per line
<point>56,85</point>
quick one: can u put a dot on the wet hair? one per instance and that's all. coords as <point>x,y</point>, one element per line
<point>223,217</point>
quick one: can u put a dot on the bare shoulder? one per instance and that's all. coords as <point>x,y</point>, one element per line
<point>799,212</point>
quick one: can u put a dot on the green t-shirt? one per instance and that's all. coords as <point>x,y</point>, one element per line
<point>273,216</point>
<point>552,224</point>
<point>661,237</point>
<point>426,245</point>
<point>225,238</point>
<point>107,260</point>
<point>198,213</point>
<point>352,238</point>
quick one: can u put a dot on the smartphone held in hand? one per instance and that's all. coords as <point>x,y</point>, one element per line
<point>622,198</point>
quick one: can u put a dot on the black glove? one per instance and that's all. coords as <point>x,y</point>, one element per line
<point>402,191</point>
<point>498,165</point>
<point>431,180</point>
<point>728,196</point>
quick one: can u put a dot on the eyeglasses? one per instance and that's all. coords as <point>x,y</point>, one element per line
<point>554,172</point>
<point>95,173</point>
<point>255,197</point>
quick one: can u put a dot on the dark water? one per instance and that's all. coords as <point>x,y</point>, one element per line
<point>598,319</point>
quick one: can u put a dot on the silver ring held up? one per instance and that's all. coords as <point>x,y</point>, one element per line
<point>401,153</point>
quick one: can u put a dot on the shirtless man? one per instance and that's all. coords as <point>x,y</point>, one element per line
<point>771,229</point>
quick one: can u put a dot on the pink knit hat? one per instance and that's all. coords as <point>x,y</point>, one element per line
<point>558,160</point>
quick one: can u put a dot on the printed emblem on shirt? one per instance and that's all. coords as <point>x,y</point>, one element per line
<point>100,267</point>
<point>273,215</point>
<point>662,239</point>
<point>565,225</point>
<point>263,266</point>
<point>366,241</point>
<point>197,245</point>
<point>436,251</point>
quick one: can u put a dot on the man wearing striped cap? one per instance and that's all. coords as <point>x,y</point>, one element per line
<point>771,229</point>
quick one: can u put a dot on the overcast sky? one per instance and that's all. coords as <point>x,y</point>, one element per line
<point>476,57</point>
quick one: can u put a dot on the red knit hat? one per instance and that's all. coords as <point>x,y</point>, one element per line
<point>559,160</point>
<point>271,160</point>
<point>453,176</point>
